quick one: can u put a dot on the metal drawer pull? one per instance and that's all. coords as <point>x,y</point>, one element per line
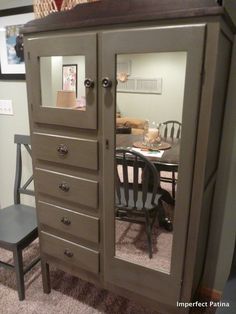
<point>62,150</point>
<point>65,221</point>
<point>68,253</point>
<point>106,82</point>
<point>64,187</point>
<point>89,83</point>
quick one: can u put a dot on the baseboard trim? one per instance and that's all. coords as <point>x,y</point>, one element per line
<point>207,294</point>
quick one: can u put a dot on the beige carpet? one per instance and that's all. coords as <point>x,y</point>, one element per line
<point>131,245</point>
<point>69,295</point>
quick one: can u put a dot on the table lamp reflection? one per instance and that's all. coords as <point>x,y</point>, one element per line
<point>66,99</point>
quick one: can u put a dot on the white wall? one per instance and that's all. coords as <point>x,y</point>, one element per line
<point>168,105</point>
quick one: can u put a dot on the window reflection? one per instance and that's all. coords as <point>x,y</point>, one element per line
<point>62,82</point>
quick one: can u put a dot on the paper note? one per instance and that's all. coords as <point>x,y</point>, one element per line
<point>149,153</point>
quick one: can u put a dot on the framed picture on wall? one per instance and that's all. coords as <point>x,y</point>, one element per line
<point>12,65</point>
<point>69,77</point>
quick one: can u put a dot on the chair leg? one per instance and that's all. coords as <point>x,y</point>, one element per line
<point>18,265</point>
<point>149,234</point>
<point>45,277</point>
<point>173,185</point>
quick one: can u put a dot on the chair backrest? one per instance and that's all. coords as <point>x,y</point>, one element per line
<point>171,129</point>
<point>141,185</point>
<point>19,188</point>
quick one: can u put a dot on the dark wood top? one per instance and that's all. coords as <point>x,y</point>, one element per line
<point>170,157</point>
<point>108,12</point>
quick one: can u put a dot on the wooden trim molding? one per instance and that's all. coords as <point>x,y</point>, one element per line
<point>107,12</point>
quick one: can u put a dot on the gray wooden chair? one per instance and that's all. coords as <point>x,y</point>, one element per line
<point>136,200</point>
<point>18,224</point>
<point>171,130</point>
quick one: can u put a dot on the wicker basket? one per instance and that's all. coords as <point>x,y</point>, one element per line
<point>44,7</point>
<point>69,4</point>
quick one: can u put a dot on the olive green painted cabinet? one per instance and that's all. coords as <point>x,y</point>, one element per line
<point>81,76</point>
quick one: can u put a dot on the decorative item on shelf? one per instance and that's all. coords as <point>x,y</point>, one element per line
<point>66,99</point>
<point>44,7</point>
<point>69,4</point>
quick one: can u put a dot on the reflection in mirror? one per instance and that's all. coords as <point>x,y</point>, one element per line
<point>62,82</point>
<point>149,103</point>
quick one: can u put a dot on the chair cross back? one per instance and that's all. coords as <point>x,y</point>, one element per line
<point>18,222</point>
<point>19,188</point>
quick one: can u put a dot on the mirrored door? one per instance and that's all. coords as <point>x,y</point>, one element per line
<point>150,113</point>
<point>65,74</point>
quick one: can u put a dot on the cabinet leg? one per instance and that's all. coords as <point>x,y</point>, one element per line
<point>18,264</point>
<point>45,277</point>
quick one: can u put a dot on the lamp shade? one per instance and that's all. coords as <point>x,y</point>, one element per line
<point>66,99</point>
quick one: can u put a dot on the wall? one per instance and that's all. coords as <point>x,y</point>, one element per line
<point>155,107</point>
<point>6,4</point>
<point>10,125</point>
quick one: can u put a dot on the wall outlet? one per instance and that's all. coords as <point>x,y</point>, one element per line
<point>6,107</point>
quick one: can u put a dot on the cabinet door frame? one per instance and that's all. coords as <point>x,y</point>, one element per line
<point>191,39</point>
<point>75,44</point>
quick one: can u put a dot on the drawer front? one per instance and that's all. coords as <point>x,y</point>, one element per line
<point>70,252</point>
<point>76,224</point>
<point>70,151</point>
<point>69,188</point>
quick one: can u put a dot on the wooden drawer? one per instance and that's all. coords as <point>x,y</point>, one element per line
<point>69,188</point>
<point>69,252</point>
<point>76,224</point>
<point>70,151</point>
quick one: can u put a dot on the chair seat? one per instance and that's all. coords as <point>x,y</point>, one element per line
<point>16,223</point>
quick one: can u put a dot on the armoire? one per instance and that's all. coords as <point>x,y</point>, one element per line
<point>74,140</point>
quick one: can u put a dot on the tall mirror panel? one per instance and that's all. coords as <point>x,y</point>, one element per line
<point>149,104</point>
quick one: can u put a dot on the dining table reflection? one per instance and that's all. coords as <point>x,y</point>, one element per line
<point>167,161</point>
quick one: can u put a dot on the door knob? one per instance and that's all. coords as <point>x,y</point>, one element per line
<point>68,253</point>
<point>64,187</point>
<point>62,150</point>
<point>106,82</point>
<point>89,83</point>
<point>65,221</point>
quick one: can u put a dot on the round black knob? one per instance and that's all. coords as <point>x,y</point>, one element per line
<point>106,82</point>
<point>89,83</point>
<point>62,150</point>
<point>65,221</point>
<point>64,187</point>
<point>68,253</point>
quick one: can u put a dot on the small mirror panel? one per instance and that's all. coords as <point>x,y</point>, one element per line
<point>62,82</point>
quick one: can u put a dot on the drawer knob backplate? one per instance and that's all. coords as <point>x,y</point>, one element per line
<point>65,221</point>
<point>62,150</point>
<point>68,253</point>
<point>64,187</point>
